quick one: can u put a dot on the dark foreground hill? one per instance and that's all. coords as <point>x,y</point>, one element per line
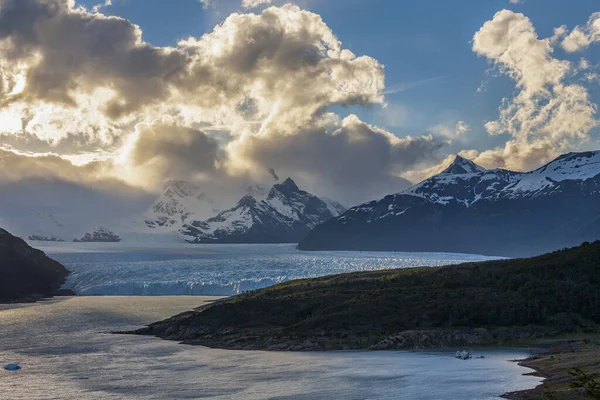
<point>478,303</point>
<point>26,272</point>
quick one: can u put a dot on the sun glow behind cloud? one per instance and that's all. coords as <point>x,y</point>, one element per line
<point>257,92</point>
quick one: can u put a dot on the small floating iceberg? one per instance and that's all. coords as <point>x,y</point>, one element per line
<point>12,367</point>
<point>463,355</point>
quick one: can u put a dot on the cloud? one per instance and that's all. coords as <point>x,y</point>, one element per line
<point>255,3</point>
<point>283,58</point>
<point>454,132</point>
<point>247,4</point>
<point>581,37</point>
<point>403,87</point>
<point>164,150</point>
<point>74,82</point>
<point>511,42</point>
<point>36,190</point>
<point>395,115</point>
<point>352,159</point>
<point>100,6</point>
<point>64,52</point>
<point>548,115</point>
<point>17,166</point>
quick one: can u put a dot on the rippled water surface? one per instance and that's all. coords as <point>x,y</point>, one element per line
<point>181,269</point>
<point>66,353</point>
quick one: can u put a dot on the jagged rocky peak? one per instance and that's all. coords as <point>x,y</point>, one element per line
<point>287,186</point>
<point>247,200</point>
<point>285,216</point>
<point>462,165</point>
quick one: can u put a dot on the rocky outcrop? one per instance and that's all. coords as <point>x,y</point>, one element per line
<point>27,273</point>
<point>101,235</point>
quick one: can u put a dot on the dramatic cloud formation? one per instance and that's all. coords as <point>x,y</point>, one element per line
<point>253,94</point>
<point>84,99</point>
<point>548,115</point>
<point>349,156</point>
<point>581,37</point>
<point>173,151</point>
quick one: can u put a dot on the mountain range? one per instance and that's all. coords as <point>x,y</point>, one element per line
<point>285,215</point>
<point>469,209</point>
<point>185,211</point>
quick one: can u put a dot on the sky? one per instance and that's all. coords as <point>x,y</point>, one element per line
<point>353,99</point>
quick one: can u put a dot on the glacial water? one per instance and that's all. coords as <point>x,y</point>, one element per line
<point>181,269</point>
<point>66,353</point>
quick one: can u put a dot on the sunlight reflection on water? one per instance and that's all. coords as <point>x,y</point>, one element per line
<point>66,353</point>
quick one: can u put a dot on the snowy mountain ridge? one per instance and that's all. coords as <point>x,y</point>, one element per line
<point>179,201</point>
<point>467,208</point>
<point>285,215</point>
<point>467,183</point>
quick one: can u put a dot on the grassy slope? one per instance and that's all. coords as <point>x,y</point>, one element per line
<point>557,292</point>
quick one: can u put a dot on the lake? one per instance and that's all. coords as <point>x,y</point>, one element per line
<point>183,269</point>
<point>67,353</point>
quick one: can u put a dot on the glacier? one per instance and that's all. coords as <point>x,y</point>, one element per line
<point>214,270</point>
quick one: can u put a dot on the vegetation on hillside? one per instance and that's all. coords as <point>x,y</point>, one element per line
<point>554,293</point>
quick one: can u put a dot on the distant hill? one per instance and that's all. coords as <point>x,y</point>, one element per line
<point>25,271</point>
<point>468,209</point>
<point>478,303</point>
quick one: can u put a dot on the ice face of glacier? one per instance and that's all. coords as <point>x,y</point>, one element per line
<point>205,269</point>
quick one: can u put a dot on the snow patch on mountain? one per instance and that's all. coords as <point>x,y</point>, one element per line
<point>466,183</point>
<point>179,202</point>
<point>572,166</point>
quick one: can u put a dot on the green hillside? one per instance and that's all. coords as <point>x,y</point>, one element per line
<point>478,303</point>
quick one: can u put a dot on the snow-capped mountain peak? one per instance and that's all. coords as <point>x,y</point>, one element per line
<point>286,187</point>
<point>466,183</point>
<point>463,166</point>
<point>463,182</point>
<point>469,209</point>
<point>179,201</point>
<point>571,166</point>
<point>286,215</point>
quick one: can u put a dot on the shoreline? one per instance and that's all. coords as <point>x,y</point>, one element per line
<point>552,359</point>
<point>35,298</point>
<point>556,358</point>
